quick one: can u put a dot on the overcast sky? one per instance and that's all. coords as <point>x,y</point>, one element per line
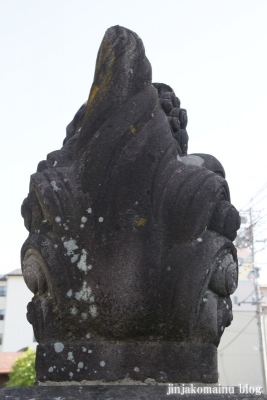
<point>211,52</point>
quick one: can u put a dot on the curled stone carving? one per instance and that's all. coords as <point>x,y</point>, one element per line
<point>129,255</point>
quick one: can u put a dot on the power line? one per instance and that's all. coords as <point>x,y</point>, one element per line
<point>246,297</point>
<point>245,327</point>
<point>253,197</point>
<point>259,233</point>
<point>260,200</point>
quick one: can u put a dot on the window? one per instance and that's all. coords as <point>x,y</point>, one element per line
<point>2,290</point>
<point>2,315</point>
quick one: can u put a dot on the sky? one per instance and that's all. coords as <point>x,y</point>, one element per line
<point>211,52</point>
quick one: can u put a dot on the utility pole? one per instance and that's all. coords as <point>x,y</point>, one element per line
<point>260,322</point>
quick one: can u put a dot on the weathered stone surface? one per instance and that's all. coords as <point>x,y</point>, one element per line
<point>130,239</point>
<point>113,393</point>
<point>114,361</point>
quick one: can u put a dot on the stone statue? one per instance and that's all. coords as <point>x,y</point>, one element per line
<point>129,255</point>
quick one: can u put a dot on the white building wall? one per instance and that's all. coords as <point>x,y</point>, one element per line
<point>239,359</point>
<point>2,307</point>
<point>239,353</point>
<point>18,333</point>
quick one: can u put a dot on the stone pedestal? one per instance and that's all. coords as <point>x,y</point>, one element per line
<point>112,362</point>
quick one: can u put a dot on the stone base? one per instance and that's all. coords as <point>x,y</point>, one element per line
<point>113,362</point>
<point>113,393</point>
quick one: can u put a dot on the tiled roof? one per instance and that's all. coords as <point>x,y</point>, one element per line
<point>16,272</point>
<point>7,360</point>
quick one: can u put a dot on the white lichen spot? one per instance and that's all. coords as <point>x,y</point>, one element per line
<point>54,186</point>
<point>192,160</point>
<point>74,311</point>
<point>55,163</point>
<point>93,310</point>
<point>58,219</point>
<point>100,219</point>
<point>69,293</point>
<point>136,369</point>
<point>85,293</point>
<point>82,263</point>
<point>78,370</point>
<point>84,315</point>
<point>58,347</point>
<point>199,239</point>
<point>70,356</point>
<point>152,115</point>
<point>55,246</point>
<point>90,351</point>
<point>79,130</point>
<point>224,301</point>
<point>44,354</point>
<point>222,328</point>
<point>66,227</point>
<point>70,245</point>
<point>50,369</point>
<point>82,226</point>
<point>84,349</point>
<point>80,365</point>
<point>102,363</point>
<point>83,220</point>
<point>74,258</point>
<point>168,268</point>
<point>227,306</point>
<point>88,335</point>
<point>65,180</point>
<point>70,375</point>
<point>92,299</point>
<point>207,271</point>
<point>89,210</point>
<point>205,299</point>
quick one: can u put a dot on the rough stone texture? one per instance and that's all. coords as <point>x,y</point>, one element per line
<point>112,361</point>
<point>130,239</point>
<point>112,393</point>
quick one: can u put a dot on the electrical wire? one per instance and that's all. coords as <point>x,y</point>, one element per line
<point>237,335</point>
<point>259,233</point>
<point>240,302</point>
<point>254,204</point>
<point>253,197</point>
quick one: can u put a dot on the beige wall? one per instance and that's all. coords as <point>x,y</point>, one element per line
<point>240,361</point>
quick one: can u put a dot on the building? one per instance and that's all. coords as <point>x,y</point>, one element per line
<point>6,362</point>
<point>15,331</point>
<point>241,354</point>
